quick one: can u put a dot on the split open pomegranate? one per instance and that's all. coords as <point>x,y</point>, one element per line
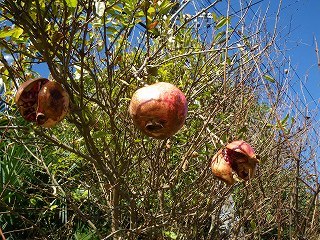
<point>236,162</point>
<point>159,110</point>
<point>42,101</point>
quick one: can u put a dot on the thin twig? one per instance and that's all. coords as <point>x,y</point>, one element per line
<point>317,51</point>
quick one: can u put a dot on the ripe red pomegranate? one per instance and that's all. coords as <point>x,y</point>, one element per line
<point>236,162</point>
<point>159,110</point>
<point>42,101</point>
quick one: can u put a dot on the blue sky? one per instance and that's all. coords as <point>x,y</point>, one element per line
<point>300,19</point>
<point>303,19</point>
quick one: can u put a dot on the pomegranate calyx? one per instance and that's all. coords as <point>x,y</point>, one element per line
<point>154,126</point>
<point>41,118</point>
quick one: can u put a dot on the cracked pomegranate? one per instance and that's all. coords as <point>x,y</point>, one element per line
<point>159,110</point>
<point>236,162</point>
<point>42,101</point>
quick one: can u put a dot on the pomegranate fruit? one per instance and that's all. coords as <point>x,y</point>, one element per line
<point>42,101</point>
<point>236,162</point>
<point>159,110</point>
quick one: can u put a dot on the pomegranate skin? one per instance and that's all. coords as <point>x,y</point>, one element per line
<point>242,147</point>
<point>222,169</point>
<point>27,98</point>
<point>42,101</point>
<point>53,104</point>
<point>237,161</point>
<point>159,110</point>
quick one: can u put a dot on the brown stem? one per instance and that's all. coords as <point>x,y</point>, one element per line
<point>115,213</point>
<point>2,235</point>
<point>133,215</point>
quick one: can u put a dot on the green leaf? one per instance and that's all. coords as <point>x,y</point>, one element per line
<point>269,78</point>
<point>117,8</point>
<point>214,16</point>
<point>139,14</point>
<point>222,22</point>
<point>14,32</point>
<point>166,6</point>
<point>42,4</point>
<point>151,11</point>
<point>112,30</point>
<point>17,32</point>
<point>53,207</point>
<point>170,234</point>
<point>284,120</point>
<point>33,201</point>
<point>72,3</point>
<point>219,36</point>
<point>253,224</point>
